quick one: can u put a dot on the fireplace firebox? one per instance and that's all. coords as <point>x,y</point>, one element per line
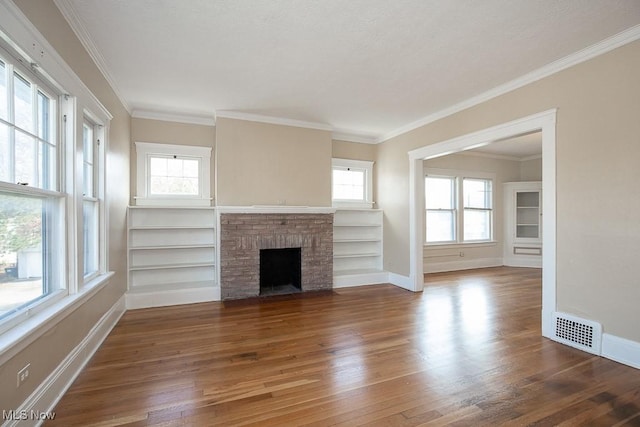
<point>280,271</point>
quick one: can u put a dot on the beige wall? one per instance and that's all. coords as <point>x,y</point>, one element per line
<point>531,170</point>
<point>145,130</point>
<point>505,171</point>
<point>48,351</point>
<point>267,164</point>
<point>597,150</point>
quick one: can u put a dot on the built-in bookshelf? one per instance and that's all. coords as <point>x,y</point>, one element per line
<point>357,247</point>
<point>523,224</point>
<point>171,256</point>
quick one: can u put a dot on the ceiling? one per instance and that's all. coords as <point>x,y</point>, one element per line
<point>524,147</point>
<point>362,67</point>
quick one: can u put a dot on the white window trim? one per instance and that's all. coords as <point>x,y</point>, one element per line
<point>144,150</point>
<point>459,175</point>
<point>365,165</point>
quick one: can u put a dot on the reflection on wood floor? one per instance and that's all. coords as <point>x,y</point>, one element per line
<point>467,351</point>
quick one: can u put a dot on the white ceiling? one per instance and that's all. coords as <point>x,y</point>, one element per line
<point>522,147</point>
<point>368,67</point>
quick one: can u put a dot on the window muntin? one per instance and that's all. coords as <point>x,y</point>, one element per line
<point>458,209</point>
<point>440,201</point>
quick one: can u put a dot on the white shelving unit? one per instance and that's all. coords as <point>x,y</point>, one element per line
<point>171,256</point>
<point>523,224</point>
<point>357,247</point>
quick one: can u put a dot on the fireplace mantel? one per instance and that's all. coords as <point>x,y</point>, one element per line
<point>276,209</point>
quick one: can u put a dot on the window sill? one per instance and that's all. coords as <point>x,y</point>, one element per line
<point>171,202</point>
<point>23,334</point>
<point>460,245</point>
<point>352,205</point>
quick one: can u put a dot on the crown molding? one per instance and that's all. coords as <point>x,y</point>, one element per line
<point>627,36</point>
<point>74,21</point>
<point>173,117</point>
<point>350,136</point>
<point>239,115</point>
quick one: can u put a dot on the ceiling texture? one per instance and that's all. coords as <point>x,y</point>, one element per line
<point>366,69</point>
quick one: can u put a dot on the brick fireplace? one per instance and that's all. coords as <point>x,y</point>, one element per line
<point>243,235</point>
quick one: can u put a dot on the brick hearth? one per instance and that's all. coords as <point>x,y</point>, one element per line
<point>242,235</point>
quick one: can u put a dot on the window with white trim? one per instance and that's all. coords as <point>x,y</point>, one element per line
<point>351,183</point>
<point>173,174</point>
<point>458,207</point>
<point>31,204</point>
<point>91,198</point>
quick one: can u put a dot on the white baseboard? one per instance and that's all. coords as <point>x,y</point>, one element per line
<point>165,298</point>
<point>466,264</point>
<point>49,392</point>
<point>401,281</point>
<point>529,262</point>
<point>363,279</point>
<point>621,350</point>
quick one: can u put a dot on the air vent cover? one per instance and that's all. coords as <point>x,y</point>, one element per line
<point>583,334</point>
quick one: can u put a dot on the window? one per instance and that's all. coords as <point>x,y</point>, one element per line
<point>90,200</point>
<point>440,198</point>
<point>31,207</point>
<point>458,208</point>
<point>173,174</point>
<point>352,183</point>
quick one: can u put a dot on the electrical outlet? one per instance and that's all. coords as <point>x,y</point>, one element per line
<point>23,374</point>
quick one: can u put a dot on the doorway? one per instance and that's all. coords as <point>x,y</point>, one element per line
<point>543,122</point>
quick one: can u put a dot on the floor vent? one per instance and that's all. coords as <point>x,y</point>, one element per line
<point>579,333</point>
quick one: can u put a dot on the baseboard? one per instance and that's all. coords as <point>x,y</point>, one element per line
<point>351,280</point>
<point>532,262</point>
<point>56,384</point>
<point>621,350</point>
<point>165,298</point>
<point>404,282</point>
<point>466,264</point>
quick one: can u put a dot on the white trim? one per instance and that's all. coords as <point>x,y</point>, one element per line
<point>25,37</point>
<point>138,299</point>
<point>621,350</point>
<point>351,136</point>
<point>16,339</point>
<point>534,261</point>
<point>174,117</point>
<point>49,392</point>
<point>401,281</point>
<point>545,121</point>
<point>70,15</point>
<point>468,264</point>
<point>268,209</point>
<point>627,36</point>
<point>367,166</point>
<point>144,150</point>
<point>239,115</point>
<point>364,279</point>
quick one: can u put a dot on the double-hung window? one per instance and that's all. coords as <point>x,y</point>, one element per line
<point>90,199</point>
<point>458,207</point>
<point>31,204</point>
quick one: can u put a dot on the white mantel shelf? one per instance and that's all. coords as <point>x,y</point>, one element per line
<point>276,209</point>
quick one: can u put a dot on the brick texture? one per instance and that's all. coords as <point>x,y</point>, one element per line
<point>243,235</point>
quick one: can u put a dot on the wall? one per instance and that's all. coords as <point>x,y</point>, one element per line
<point>146,130</point>
<point>268,164</point>
<point>46,352</point>
<point>531,170</point>
<point>597,148</point>
<point>448,258</point>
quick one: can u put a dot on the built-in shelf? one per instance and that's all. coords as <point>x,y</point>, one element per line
<point>171,255</point>
<point>523,224</point>
<point>357,246</point>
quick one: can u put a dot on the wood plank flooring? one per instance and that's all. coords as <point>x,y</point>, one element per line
<point>466,352</point>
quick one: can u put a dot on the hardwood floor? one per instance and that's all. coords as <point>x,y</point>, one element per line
<point>465,352</point>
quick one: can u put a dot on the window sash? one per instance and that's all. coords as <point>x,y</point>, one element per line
<point>349,184</point>
<point>185,181</point>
